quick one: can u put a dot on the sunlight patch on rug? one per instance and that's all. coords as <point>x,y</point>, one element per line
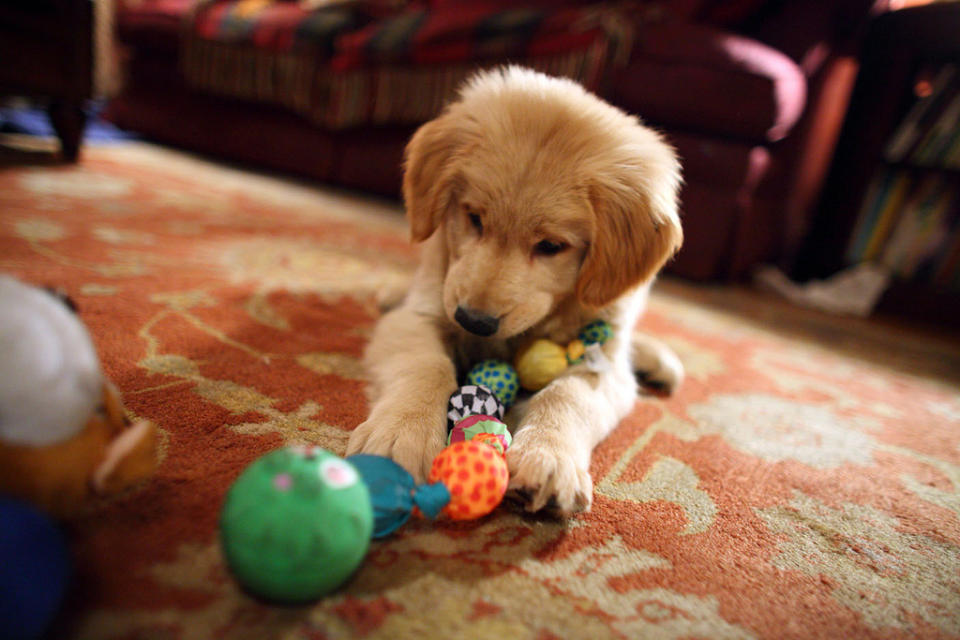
<point>284,264</point>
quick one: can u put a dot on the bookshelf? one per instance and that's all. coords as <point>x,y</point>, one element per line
<point>892,194</point>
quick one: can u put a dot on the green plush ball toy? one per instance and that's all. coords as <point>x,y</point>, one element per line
<point>497,375</point>
<point>296,524</point>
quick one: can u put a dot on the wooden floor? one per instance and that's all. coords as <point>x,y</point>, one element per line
<point>906,346</point>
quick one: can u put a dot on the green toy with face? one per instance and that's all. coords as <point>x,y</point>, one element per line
<point>296,524</point>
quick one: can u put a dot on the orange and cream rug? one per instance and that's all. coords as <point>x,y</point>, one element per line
<point>803,483</point>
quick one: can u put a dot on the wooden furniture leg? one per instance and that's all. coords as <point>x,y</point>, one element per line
<point>68,121</point>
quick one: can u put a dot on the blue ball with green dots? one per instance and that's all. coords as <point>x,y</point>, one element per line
<point>498,376</point>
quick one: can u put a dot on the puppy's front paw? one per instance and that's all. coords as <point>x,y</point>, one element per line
<point>545,473</point>
<point>655,364</point>
<point>411,442</point>
<point>666,377</point>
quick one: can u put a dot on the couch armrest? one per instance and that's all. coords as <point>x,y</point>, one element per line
<point>697,77</point>
<point>808,32</point>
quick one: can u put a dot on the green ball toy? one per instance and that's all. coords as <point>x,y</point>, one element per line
<point>296,524</point>
<point>596,332</point>
<point>498,376</point>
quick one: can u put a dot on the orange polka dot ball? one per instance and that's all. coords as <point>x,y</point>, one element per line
<point>476,476</point>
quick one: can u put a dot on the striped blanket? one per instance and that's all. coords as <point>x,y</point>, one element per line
<point>345,64</point>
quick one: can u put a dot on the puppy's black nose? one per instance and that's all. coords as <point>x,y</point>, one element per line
<point>476,321</point>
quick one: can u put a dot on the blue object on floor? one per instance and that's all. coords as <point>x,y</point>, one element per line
<point>394,494</point>
<point>34,570</point>
<point>33,121</point>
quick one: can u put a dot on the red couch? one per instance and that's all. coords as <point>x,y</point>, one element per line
<point>751,92</point>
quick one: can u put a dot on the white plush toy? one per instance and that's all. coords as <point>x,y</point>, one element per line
<point>63,432</point>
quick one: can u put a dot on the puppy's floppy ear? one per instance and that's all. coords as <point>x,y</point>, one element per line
<point>429,173</point>
<point>636,224</point>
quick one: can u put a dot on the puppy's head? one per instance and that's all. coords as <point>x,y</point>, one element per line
<point>544,194</point>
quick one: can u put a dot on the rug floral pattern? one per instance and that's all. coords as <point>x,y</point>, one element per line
<point>787,491</point>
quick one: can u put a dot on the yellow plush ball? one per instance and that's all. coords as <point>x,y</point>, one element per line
<point>539,363</point>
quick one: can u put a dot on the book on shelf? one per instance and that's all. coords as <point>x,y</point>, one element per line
<point>946,273</point>
<point>933,149</point>
<point>909,219</point>
<point>952,160</point>
<point>910,223</point>
<point>889,211</point>
<point>869,212</point>
<point>922,228</point>
<point>926,135</point>
<point>879,212</point>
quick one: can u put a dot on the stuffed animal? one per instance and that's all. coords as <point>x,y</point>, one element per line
<point>35,570</point>
<point>63,433</point>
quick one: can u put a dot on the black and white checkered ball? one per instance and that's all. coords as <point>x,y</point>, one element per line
<point>473,400</point>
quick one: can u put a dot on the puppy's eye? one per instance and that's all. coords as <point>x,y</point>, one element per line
<point>476,222</point>
<point>548,248</point>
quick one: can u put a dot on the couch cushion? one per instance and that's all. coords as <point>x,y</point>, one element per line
<point>727,227</point>
<point>262,135</point>
<point>699,78</point>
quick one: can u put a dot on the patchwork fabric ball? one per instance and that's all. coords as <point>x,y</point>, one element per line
<point>473,399</point>
<point>496,441</point>
<point>498,376</point>
<point>476,426</point>
<point>476,476</point>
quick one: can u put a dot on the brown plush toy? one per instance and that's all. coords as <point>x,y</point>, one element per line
<point>63,434</point>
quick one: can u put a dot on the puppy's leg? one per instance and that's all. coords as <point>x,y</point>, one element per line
<point>550,455</point>
<point>412,377</point>
<point>655,364</point>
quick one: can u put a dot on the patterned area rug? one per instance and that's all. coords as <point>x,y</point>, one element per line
<point>804,482</point>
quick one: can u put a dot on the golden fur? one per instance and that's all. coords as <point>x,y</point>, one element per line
<point>520,165</point>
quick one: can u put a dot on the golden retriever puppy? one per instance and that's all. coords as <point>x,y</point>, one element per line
<point>540,208</point>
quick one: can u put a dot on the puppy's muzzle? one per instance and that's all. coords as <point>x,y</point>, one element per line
<point>476,322</point>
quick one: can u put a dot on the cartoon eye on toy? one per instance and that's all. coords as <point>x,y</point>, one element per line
<point>338,474</point>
